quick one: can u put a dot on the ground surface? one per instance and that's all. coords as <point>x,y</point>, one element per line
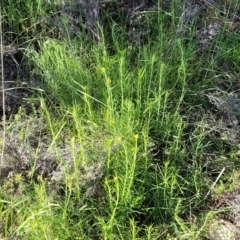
<point>222,117</point>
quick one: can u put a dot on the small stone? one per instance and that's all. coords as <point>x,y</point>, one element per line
<point>223,230</point>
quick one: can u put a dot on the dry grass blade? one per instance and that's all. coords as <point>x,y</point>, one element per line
<point>3,93</point>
